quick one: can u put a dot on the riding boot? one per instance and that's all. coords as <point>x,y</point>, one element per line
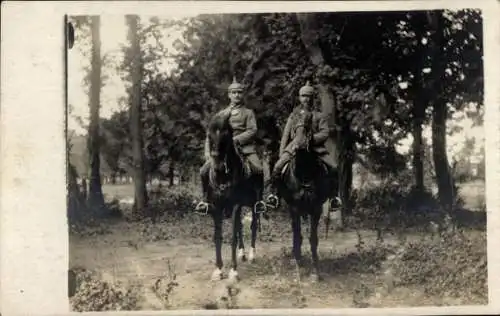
<point>273,198</point>
<point>203,204</point>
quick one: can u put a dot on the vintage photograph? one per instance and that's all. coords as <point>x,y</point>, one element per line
<point>276,160</point>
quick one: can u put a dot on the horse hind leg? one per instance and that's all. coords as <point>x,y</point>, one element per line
<point>313,240</point>
<point>217,274</point>
<point>236,221</point>
<point>241,244</point>
<point>253,226</point>
<point>297,236</point>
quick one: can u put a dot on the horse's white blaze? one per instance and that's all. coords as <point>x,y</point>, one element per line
<point>217,275</point>
<point>233,275</point>
<point>251,254</point>
<point>241,253</point>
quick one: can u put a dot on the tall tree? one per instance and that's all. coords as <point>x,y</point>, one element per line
<point>95,197</point>
<point>135,61</point>
<point>440,111</point>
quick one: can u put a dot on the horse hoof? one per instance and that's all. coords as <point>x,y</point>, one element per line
<point>314,277</point>
<point>241,255</point>
<point>217,275</point>
<point>251,255</point>
<point>233,275</point>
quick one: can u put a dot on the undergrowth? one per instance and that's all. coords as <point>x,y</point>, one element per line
<point>454,264</point>
<point>94,294</point>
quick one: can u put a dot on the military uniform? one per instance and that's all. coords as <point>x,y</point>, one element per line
<point>287,144</point>
<point>244,125</point>
<point>321,133</point>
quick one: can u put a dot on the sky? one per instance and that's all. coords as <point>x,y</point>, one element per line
<point>113,35</point>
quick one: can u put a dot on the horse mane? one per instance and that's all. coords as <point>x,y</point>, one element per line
<point>220,121</point>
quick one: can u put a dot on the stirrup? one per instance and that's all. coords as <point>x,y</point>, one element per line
<point>201,208</point>
<point>260,207</point>
<point>335,204</point>
<point>273,201</point>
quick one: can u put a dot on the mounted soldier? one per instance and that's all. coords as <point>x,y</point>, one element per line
<point>287,145</point>
<point>243,123</point>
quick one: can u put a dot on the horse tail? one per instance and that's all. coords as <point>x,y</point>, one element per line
<point>327,222</point>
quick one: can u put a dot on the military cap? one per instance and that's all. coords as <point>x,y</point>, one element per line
<point>306,90</point>
<point>235,85</point>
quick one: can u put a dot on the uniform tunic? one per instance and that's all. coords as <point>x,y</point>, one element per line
<point>321,133</point>
<point>244,125</point>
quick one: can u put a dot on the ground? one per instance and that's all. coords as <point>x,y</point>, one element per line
<point>178,256</point>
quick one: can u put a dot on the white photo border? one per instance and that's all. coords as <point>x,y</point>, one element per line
<point>34,233</point>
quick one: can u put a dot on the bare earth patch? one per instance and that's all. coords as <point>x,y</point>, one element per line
<point>173,271</point>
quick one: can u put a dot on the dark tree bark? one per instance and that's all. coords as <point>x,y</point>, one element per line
<point>95,196</point>
<point>439,155</point>
<point>141,200</point>
<point>309,35</point>
<point>77,208</point>
<point>171,173</point>
<point>417,146</point>
<point>345,162</point>
<point>419,107</point>
<point>337,144</point>
<point>439,115</point>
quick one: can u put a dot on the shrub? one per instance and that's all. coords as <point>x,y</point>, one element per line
<point>174,201</point>
<point>93,294</point>
<point>454,264</point>
<point>394,201</point>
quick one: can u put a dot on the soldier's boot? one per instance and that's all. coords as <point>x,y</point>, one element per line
<point>203,205</point>
<point>257,171</point>
<point>273,198</point>
<point>332,182</point>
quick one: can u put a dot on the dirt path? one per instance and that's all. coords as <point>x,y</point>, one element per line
<point>269,282</point>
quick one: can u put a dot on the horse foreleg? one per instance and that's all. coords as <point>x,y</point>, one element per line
<point>241,244</point>
<point>218,217</point>
<point>313,240</point>
<point>297,236</point>
<point>236,219</point>
<point>253,226</point>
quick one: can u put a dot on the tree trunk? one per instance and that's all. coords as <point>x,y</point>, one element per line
<point>77,207</point>
<point>346,152</point>
<point>418,149</point>
<point>309,30</point>
<point>418,108</point>
<point>439,114</point>
<point>95,197</point>
<point>171,174</point>
<point>140,202</point>
<point>442,168</point>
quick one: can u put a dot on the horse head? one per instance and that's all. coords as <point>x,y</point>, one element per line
<point>221,142</point>
<point>305,160</point>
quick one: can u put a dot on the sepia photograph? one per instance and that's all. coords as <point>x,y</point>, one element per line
<point>276,160</point>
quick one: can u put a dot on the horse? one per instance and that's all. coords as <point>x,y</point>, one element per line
<point>305,188</point>
<point>230,190</point>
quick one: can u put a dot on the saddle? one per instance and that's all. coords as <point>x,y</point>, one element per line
<point>323,165</point>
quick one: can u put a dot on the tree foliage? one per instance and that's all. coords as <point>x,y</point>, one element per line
<point>382,74</point>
